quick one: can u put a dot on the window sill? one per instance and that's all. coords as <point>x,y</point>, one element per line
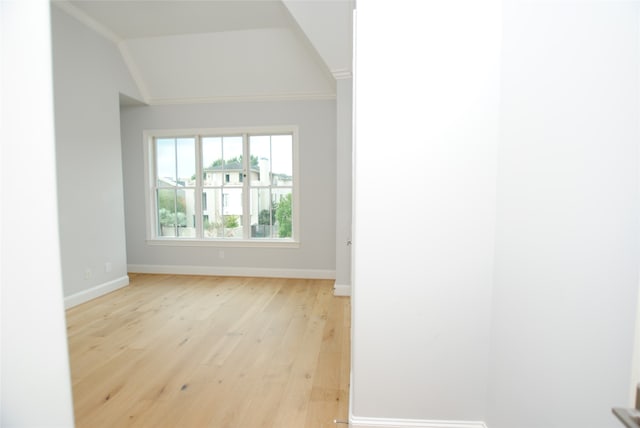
<point>254,243</point>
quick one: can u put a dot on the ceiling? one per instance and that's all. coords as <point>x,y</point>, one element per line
<point>182,51</point>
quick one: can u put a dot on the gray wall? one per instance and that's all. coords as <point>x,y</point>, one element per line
<point>317,143</point>
<point>344,184</point>
<point>88,75</point>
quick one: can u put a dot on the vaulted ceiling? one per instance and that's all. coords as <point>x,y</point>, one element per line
<point>183,51</point>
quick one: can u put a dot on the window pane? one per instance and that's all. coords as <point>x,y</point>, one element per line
<point>282,160</point>
<point>232,212</point>
<point>212,213</point>
<point>185,216</point>
<point>232,154</point>
<point>282,201</point>
<point>166,161</point>
<point>166,203</point>
<point>186,150</point>
<point>212,161</point>
<point>263,216</point>
<point>223,216</point>
<point>260,152</point>
<point>222,161</point>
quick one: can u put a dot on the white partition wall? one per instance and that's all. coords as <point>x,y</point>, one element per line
<point>496,213</point>
<point>36,391</point>
<point>566,274</point>
<point>426,139</point>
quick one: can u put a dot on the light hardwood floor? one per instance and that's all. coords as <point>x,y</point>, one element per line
<point>202,351</point>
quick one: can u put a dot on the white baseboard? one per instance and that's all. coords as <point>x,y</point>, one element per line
<point>342,290</point>
<point>234,271</point>
<point>359,422</point>
<point>93,292</point>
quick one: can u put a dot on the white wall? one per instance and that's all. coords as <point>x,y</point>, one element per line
<point>427,87</point>
<point>88,75</point>
<point>36,390</point>
<point>636,352</point>
<point>542,334</point>
<point>252,63</point>
<point>567,238</point>
<point>317,144</point>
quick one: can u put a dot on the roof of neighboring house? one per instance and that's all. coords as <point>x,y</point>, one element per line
<point>283,176</point>
<point>171,182</point>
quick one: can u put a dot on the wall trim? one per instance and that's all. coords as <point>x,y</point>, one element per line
<point>244,98</point>
<point>234,271</point>
<point>342,290</point>
<point>94,292</point>
<point>360,422</point>
<point>342,73</point>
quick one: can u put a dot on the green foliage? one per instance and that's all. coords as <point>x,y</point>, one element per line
<point>283,214</point>
<point>231,221</point>
<point>267,218</point>
<point>217,227</point>
<point>169,218</point>
<point>215,163</point>
<point>238,159</point>
<point>167,207</point>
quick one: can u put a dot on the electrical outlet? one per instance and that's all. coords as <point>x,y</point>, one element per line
<point>108,267</point>
<point>221,254</point>
<point>87,273</point>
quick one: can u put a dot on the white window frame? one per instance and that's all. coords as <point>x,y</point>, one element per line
<point>149,137</point>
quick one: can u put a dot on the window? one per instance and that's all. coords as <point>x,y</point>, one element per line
<point>219,186</point>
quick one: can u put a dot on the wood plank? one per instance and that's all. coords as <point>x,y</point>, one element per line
<point>197,351</point>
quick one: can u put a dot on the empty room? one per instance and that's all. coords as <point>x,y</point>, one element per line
<point>200,210</point>
<point>317,213</point>
<point>207,134</point>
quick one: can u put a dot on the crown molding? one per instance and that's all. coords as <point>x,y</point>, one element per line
<point>77,13</point>
<point>244,99</point>
<point>342,73</point>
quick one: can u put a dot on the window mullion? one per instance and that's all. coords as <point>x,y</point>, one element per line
<point>175,189</point>
<point>155,187</point>
<point>271,213</point>
<point>198,190</point>
<point>246,194</point>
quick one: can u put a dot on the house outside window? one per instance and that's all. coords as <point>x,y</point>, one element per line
<point>218,186</point>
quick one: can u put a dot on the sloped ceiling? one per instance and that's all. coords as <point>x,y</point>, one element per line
<point>182,51</point>
<point>329,27</point>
